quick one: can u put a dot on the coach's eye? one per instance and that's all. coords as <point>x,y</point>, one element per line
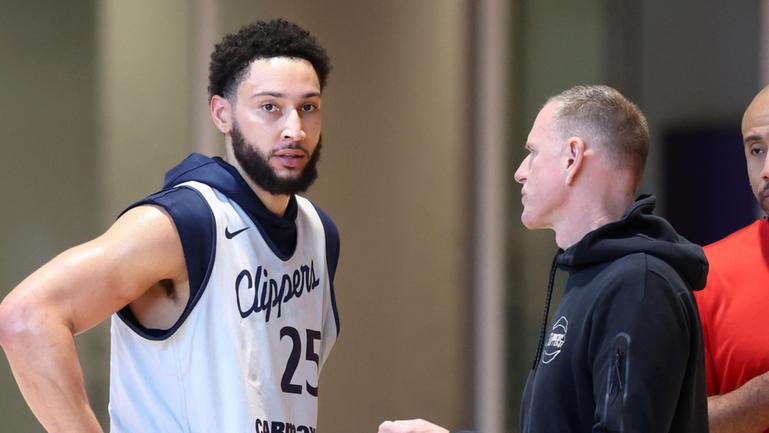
<point>757,150</point>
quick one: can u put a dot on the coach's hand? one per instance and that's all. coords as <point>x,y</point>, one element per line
<point>410,426</point>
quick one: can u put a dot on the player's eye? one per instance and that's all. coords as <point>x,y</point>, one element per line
<point>269,107</point>
<point>308,108</point>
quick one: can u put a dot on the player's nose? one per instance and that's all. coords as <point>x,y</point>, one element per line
<point>292,129</point>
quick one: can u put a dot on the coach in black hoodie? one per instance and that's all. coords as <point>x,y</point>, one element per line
<point>623,350</point>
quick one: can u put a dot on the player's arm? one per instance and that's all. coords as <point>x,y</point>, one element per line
<point>744,410</point>
<point>73,292</point>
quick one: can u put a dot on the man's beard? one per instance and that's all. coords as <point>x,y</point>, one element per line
<point>762,192</point>
<point>258,169</point>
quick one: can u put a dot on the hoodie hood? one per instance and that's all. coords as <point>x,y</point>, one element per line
<point>218,174</point>
<point>279,231</point>
<point>638,231</point>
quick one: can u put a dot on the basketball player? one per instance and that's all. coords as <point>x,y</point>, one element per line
<point>219,286</point>
<point>623,351</point>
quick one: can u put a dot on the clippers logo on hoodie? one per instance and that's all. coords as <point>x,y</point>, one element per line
<point>555,340</point>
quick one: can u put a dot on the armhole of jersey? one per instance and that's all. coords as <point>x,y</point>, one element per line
<point>332,256</point>
<point>196,227</point>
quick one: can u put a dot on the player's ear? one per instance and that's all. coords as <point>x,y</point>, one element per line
<point>575,156</point>
<point>221,113</point>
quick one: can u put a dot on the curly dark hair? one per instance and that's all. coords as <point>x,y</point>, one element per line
<point>277,38</point>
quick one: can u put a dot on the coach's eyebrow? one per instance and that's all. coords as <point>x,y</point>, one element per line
<point>751,138</point>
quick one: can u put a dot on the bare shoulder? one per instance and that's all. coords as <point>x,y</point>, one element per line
<point>147,223</point>
<point>156,248</point>
<point>144,246</point>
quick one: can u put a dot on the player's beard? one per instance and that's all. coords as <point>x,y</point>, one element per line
<point>257,168</point>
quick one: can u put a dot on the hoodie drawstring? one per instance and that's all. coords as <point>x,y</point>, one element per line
<point>551,281</point>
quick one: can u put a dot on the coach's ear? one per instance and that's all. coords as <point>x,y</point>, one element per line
<point>221,113</point>
<point>575,156</point>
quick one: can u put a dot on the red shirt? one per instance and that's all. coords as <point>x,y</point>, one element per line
<point>734,308</point>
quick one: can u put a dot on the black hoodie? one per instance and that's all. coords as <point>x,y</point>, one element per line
<point>195,225</point>
<point>623,351</point>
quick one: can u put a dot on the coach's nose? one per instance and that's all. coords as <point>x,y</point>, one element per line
<point>522,173</point>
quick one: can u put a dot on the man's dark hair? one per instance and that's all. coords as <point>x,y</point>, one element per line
<point>276,38</point>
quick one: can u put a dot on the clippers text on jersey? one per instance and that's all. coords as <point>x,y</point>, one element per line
<point>257,292</point>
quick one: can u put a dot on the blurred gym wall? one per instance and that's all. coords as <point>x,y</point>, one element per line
<point>102,97</point>
<point>105,101</point>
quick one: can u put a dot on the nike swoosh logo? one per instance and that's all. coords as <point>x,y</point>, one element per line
<point>230,235</point>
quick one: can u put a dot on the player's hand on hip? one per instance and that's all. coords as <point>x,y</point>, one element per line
<point>410,426</point>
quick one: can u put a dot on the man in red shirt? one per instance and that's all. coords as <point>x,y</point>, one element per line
<point>733,305</point>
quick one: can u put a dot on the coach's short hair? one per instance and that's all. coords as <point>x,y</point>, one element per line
<point>601,114</point>
<point>277,38</point>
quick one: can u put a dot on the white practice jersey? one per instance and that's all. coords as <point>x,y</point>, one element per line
<point>248,354</point>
